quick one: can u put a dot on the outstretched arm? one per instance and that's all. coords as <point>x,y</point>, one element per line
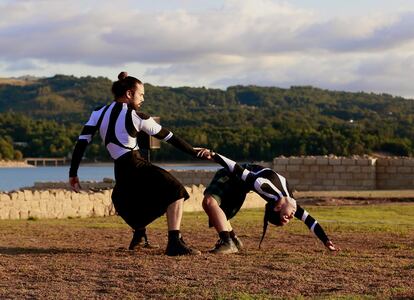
<point>77,155</point>
<point>314,226</point>
<point>145,123</point>
<point>231,166</point>
<point>179,143</point>
<point>84,139</point>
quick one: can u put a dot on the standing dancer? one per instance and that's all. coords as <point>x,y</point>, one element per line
<point>226,194</point>
<point>143,192</point>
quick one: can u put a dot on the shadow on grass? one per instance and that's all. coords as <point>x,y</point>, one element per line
<point>35,251</point>
<point>79,251</point>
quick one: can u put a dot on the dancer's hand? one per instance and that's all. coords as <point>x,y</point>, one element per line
<point>74,183</point>
<point>331,246</point>
<point>203,153</point>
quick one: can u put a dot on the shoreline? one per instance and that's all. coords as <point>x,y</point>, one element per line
<point>14,164</point>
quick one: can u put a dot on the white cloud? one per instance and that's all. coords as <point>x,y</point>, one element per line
<point>108,37</point>
<point>376,33</point>
<point>23,65</point>
<point>238,42</point>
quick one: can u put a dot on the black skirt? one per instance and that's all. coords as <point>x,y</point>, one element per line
<point>143,191</point>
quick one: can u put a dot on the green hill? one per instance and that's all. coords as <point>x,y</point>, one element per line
<point>43,118</point>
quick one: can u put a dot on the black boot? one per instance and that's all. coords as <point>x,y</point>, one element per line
<point>224,247</point>
<point>140,239</point>
<point>236,240</point>
<point>176,245</point>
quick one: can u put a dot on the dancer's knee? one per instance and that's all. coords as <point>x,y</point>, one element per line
<point>209,202</point>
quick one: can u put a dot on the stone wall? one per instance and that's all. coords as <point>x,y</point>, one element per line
<point>203,177</point>
<point>327,173</point>
<point>63,203</point>
<point>321,173</point>
<point>59,204</point>
<point>192,177</point>
<point>394,174</point>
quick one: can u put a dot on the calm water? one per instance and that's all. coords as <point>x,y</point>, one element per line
<point>15,178</point>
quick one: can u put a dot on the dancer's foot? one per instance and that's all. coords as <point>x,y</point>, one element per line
<point>140,240</point>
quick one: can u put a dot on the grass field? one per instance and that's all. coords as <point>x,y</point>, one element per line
<point>87,258</point>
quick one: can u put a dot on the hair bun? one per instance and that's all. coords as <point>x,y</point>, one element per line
<point>122,75</point>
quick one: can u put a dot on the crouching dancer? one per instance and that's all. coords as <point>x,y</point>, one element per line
<point>143,192</point>
<point>226,194</point>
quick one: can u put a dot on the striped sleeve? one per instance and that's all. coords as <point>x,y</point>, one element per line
<point>234,168</point>
<point>177,142</point>
<point>312,224</point>
<point>181,144</point>
<point>90,128</point>
<point>144,122</point>
<point>77,155</point>
<point>164,134</point>
<point>88,131</point>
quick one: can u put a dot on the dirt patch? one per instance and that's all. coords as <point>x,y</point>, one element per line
<point>87,259</point>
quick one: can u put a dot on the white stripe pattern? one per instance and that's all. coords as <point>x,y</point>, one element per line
<point>93,120</point>
<point>258,172</point>
<point>283,182</point>
<point>313,226</point>
<point>168,136</point>
<point>258,187</point>
<point>116,151</point>
<point>87,137</point>
<point>105,122</point>
<point>149,126</point>
<point>245,174</point>
<point>121,133</point>
<point>304,216</point>
<point>230,163</point>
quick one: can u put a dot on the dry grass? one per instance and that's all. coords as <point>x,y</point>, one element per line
<point>87,259</point>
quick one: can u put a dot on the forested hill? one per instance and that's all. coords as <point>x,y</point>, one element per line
<point>43,118</point>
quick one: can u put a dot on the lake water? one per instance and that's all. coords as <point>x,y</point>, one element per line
<point>15,178</point>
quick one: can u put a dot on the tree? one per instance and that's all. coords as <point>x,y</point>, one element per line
<point>6,149</point>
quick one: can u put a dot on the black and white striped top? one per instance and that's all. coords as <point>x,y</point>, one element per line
<point>118,127</point>
<point>271,186</point>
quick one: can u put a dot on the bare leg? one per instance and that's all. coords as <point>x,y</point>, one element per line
<point>218,219</point>
<point>215,213</point>
<point>176,245</point>
<point>229,228</point>
<point>174,214</point>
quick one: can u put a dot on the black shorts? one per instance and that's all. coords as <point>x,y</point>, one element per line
<point>229,191</point>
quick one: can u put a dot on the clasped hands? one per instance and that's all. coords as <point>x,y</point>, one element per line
<point>204,153</point>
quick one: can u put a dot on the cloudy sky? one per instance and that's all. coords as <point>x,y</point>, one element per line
<point>353,45</point>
